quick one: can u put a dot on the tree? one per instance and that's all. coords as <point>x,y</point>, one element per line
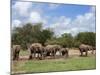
<point>87,38</point>
<point>66,40</point>
<point>34,33</point>
<point>45,34</point>
<point>30,33</point>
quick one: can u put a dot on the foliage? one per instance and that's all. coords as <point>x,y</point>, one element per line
<point>30,33</point>
<point>87,38</point>
<point>65,40</point>
<point>34,33</point>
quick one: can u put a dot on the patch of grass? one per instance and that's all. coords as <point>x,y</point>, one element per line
<point>74,63</point>
<point>24,52</point>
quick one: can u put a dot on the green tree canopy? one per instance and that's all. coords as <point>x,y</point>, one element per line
<point>30,33</point>
<point>87,38</point>
<point>34,33</point>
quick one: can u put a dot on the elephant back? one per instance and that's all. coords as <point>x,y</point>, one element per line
<point>64,49</point>
<point>57,47</point>
<point>49,47</point>
<point>36,45</point>
<point>83,46</point>
<point>53,47</point>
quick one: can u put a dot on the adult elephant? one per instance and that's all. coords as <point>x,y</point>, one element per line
<point>64,52</point>
<point>36,48</point>
<point>51,50</point>
<point>85,48</point>
<point>16,50</point>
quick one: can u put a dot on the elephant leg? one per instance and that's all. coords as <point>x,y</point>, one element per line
<point>34,54</point>
<point>31,54</point>
<point>14,56</point>
<point>54,54</point>
<point>51,54</point>
<point>17,56</point>
<point>45,54</point>
<point>48,53</point>
<point>86,53</point>
<point>81,53</point>
<point>30,57</point>
<point>41,55</point>
<point>65,54</point>
<point>38,55</point>
<point>60,53</point>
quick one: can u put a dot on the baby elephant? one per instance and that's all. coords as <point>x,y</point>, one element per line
<point>64,52</point>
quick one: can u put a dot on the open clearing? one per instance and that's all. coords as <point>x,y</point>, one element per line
<point>73,62</point>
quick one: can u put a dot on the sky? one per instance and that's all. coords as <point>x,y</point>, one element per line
<point>62,18</point>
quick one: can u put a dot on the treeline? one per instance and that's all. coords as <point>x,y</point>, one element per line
<point>29,33</point>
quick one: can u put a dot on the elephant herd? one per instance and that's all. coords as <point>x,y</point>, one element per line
<point>38,51</point>
<point>42,52</point>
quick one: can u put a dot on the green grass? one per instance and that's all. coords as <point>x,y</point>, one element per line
<point>72,63</point>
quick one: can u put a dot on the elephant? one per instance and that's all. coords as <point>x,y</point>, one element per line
<point>16,50</point>
<point>64,52</point>
<point>85,48</point>
<point>36,48</point>
<point>51,50</point>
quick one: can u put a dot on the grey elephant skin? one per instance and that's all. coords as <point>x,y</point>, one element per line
<point>85,48</point>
